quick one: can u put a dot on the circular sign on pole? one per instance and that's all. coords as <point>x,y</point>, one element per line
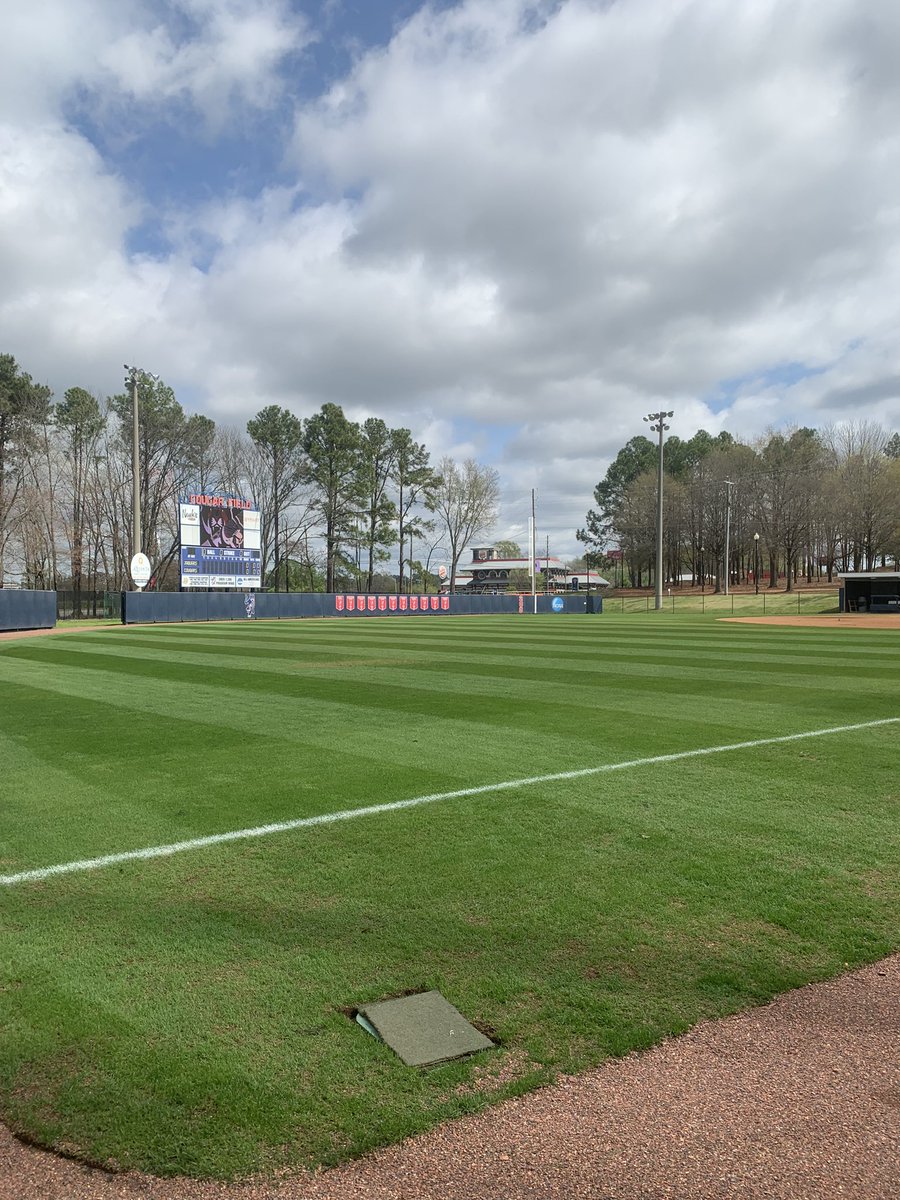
<point>140,570</point>
<point>442,572</point>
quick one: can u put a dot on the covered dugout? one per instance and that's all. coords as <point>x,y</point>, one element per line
<point>870,591</point>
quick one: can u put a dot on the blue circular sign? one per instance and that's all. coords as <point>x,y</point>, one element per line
<point>558,604</point>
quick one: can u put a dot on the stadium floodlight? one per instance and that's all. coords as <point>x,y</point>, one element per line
<point>729,484</point>
<point>131,381</point>
<point>659,427</point>
<point>756,561</point>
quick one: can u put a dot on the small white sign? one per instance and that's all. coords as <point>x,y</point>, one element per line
<point>140,570</point>
<point>442,572</point>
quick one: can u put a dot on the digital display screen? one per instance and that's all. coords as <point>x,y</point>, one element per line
<point>221,544</point>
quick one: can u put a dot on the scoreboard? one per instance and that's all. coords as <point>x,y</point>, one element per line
<point>221,542</point>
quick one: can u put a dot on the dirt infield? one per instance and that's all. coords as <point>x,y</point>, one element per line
<point>844,620</point>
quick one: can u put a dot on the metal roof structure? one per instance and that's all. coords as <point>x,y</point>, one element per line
<point>883,575</point>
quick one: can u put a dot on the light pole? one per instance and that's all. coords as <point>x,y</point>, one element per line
<point>660,427</point>
<point>729,484</point>
<point>756,561</point>
<point>131,381</point>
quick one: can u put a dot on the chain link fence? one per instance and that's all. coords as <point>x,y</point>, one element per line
<point>739,604</point>
<point>88,606</point>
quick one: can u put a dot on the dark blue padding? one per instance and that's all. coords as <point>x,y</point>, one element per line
<point>154,607</point>
<point>25,609</point>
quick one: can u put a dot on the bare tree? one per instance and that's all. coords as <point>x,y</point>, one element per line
<point>465,503</point>
<point>24,408</point>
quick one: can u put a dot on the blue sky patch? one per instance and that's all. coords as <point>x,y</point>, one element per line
<point>784,375</point>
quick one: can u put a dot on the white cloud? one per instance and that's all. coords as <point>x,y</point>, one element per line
<point>230,54</point>
<point>517,228</point>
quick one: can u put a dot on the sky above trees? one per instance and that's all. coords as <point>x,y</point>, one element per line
<point>513,226</point>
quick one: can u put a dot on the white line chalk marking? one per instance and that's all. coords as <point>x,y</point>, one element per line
<point>215,839</point>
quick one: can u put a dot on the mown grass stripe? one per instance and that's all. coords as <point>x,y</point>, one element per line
<point>108,860</point>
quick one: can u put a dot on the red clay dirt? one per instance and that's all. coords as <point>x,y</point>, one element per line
<point>835,621</point>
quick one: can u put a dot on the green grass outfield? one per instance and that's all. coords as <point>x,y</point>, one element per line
<point>185,1014</point>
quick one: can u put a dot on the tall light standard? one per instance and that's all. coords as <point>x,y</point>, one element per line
<point>756,561</point>
<point>131,381</point>
<point>660,427</point>
<point>729,484</point>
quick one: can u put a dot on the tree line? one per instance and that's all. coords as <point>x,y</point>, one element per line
<point>802,502</point>
<point>338,498</point>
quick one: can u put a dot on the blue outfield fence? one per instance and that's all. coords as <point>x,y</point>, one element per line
<point>148,608</point>
<point>21,609</point>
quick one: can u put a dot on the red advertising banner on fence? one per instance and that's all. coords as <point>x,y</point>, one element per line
<point>352,603</point>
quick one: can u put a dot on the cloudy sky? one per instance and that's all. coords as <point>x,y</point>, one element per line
<point>516,226</point>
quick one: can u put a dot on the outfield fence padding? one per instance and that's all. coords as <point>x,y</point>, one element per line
<point>21,609</point>
<point>149,608</point>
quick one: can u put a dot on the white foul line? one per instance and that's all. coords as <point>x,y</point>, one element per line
<point>109,860</point>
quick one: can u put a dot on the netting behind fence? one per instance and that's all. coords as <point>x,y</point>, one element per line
<point>738,604</point>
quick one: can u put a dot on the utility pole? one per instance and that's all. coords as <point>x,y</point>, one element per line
<point>131,381</point>
<point>728,486</point>
<point>533,552</point>
<point>756,561</point>
<point>660,427</point>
